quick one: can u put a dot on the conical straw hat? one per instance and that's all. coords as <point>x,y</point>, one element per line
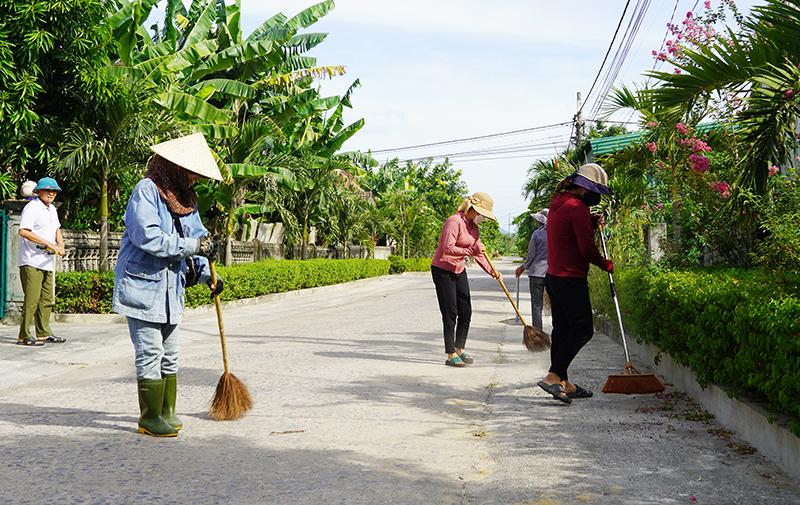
<point>190,152</point>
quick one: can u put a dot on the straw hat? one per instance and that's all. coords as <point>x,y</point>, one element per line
<point>481,202</point>
<point>192,153</point>
<point>592,177</point>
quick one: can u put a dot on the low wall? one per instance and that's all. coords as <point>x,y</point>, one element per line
<point>83,251</point>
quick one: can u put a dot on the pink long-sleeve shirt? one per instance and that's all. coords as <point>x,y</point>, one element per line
<point>458,240</point>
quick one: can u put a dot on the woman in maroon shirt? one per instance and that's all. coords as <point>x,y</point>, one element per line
<point>571,248</point>
<point>459,238</point>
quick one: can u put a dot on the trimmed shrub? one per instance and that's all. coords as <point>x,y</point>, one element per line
<point>276,276</point>
<point>84,292</point>
<point>736,327</point>
<point>398,265</point>
<point>90,292</point>
<point>418,264</point>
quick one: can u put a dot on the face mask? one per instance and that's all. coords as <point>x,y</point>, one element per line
<point>591,199</point>
<point>478,219</point>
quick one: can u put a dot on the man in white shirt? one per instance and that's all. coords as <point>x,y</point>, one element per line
<point>40,240</point>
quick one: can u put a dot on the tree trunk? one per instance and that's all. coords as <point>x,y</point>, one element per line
<point>104,224</point>
<point>228,258</point>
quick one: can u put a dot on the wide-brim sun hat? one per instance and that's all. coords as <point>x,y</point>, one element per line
<point>46,184</point>
<point>592,177</point>
<point>482,203</point>
<point>541,216</point>
<point>192,153</point>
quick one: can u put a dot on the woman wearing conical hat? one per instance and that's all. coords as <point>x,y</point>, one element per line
<point>165,248</point>
<point>459,238</point>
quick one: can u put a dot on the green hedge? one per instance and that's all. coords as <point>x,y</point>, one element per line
<point>90,292</point>
<point>738,327</point>
<point>84,292</point>
<point>400,265</point>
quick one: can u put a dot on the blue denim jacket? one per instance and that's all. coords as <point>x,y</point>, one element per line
<point>150,279</point>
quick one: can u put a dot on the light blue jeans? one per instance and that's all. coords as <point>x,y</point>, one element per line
<point>157,347</point>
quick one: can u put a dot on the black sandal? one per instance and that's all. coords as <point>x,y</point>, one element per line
<point>580,393</point>
<point>54,339</point>
<point>30,341</point>
<point>557,390</point>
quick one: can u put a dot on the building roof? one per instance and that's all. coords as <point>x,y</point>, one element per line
<point>609,145</point>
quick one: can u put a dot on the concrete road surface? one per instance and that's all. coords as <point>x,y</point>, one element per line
<point>353,405</point>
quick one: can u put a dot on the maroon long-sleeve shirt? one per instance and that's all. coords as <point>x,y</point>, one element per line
<point>570,238</point>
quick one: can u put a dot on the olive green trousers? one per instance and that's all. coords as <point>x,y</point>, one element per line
<point>38,286</point>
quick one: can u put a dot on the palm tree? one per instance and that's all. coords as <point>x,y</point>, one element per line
<point>107,144</point>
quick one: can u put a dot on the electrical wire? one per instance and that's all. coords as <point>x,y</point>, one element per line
<point>471,139</point>
<point>605,58</point>
<point>632,30</point>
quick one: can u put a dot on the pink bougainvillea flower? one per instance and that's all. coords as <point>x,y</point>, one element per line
<point>659,206</point>
<point>722,188</point>
<point>699,146</point>
<point>651,146</point>
<point>773,170</point>
<point>651,124</point>
<point>677,71</point>
<point>789,93</point>
<point>699,163</point>
<point>682,129</point>
<point>693,498</point>
<point>707,4</point>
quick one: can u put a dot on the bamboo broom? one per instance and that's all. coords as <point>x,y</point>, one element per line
<point>231,399</point>
<point>533,339</point>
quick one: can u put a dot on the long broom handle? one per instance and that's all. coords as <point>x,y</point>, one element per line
<point>614,296</point>
<point>505,290</point>
<point>517,293</point>
<point>218,305</point>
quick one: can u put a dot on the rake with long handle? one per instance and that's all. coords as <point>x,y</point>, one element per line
<point>631,380</point>
<point>534,339</point>
<point>231,398</point>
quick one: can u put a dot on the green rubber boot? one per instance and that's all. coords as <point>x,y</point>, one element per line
<point>170,395</point>
<point>151,401</point>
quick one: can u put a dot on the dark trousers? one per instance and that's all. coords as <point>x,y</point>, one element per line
<point>537,300</point>
<point>572,320</point>
<point>452,291</point>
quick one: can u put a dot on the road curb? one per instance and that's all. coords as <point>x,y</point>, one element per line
<point>751,420</point>
<point>232,304</point>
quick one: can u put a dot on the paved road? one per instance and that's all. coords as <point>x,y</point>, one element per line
<point>355,406</point>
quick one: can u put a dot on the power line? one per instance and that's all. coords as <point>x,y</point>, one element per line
<point>470,139</point>
<point>608,51</point>
<point>487,152</point>
<point>631,31</point>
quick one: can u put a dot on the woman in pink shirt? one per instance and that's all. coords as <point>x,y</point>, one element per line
<point>459,238</point>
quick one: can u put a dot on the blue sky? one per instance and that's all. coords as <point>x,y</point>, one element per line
<point>445,69</point>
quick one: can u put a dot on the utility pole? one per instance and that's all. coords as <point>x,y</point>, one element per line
<point>580,132</point>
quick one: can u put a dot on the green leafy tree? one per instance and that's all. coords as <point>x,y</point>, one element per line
<point>51,55</point>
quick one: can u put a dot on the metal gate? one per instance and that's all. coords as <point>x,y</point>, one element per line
<point>3,261</point>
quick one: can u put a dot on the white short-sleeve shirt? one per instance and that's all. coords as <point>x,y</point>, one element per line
<point>43,221</point>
